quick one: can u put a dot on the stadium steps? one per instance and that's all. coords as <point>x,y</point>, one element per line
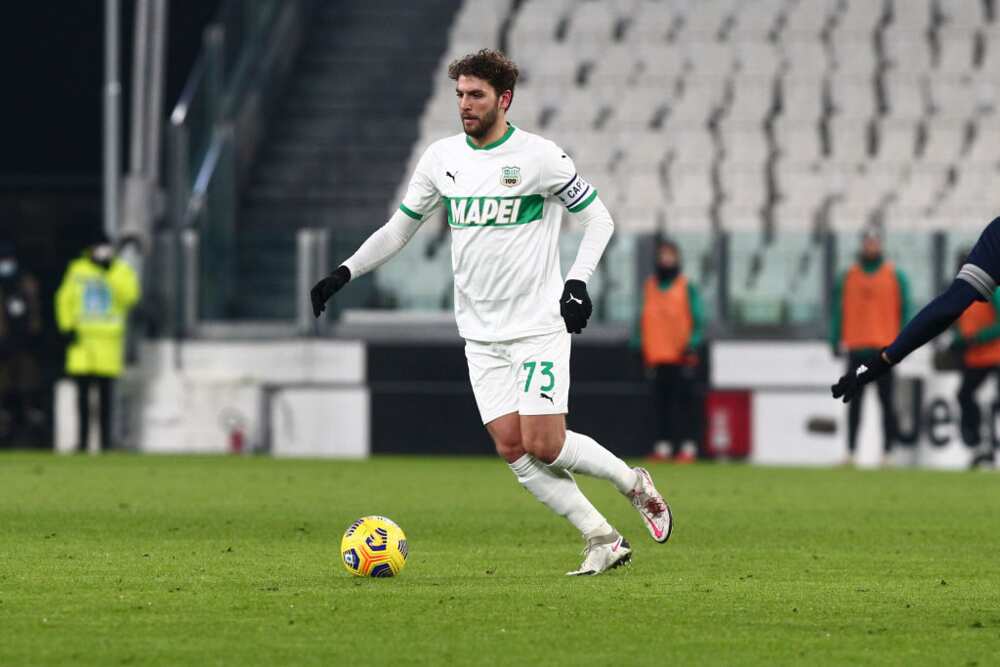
<point>338,143</point>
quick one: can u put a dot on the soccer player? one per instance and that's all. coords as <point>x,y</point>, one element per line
<point>976,281</point>
<point>501,189</point>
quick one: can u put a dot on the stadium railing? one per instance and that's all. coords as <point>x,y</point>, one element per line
<point>213,133</point>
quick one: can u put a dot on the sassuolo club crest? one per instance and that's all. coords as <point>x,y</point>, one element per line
<point>510,176</point>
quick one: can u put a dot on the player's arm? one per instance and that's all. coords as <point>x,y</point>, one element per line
<point>987,335</point>
<point>697,318</point>
<point>977,280</point>
<point>421,201</point>
<point>560,178</point>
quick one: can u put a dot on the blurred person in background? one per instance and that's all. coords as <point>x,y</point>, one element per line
<point>977,338</point>
<point>20,339</point>
<point>869,307</point>
<point>671,328</point>
<point>92,306</point>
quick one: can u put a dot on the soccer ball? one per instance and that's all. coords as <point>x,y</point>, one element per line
<point>374,546</point>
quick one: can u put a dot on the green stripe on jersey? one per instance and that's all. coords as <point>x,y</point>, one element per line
<point>412,214</point>
<point>584,204</point>
<point>493,211</point>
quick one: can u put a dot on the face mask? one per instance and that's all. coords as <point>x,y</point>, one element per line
<point>871,260</point>
<point>8,267</point>
<point>667,272</point>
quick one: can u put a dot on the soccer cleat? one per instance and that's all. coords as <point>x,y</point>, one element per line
<point>652,507</point>
<point>602,554</point>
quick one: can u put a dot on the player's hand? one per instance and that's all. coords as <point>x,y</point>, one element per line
<point>850,385</point>
<point>324,289</point>
<point>575,306</point>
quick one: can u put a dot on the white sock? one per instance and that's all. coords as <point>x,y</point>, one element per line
<point>558,491</point>
<point>583,454</point>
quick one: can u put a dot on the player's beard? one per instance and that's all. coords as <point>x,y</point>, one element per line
<point>486,122</point>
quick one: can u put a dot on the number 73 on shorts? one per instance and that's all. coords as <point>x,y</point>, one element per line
<point>545,371</point>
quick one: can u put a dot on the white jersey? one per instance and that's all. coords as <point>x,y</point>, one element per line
<point>504,204</point>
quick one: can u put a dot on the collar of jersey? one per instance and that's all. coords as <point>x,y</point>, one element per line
<point>505,137</point>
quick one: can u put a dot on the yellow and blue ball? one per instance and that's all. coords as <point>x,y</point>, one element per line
<point>374,546</point>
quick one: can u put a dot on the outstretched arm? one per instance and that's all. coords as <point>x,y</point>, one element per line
<point>422,196</point>
<point>935,317</point>
<point>383,244</point>
<point>976,280</point>
<point>377,249</point>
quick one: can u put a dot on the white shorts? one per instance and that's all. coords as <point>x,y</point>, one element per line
<point>528,375</point>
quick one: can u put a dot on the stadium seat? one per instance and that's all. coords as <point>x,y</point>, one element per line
<point>756,20</point>
<point>703,20</point>
<point>952,98</point>
<point>912,16</point>
<point>859,19</point>
<point>650,24</point>
<point>896,140</point>
<point>907,95</point>
<point>944,142</point>
<point>908,53</point>
<point>753,98</point>
<point>806,20</point>
<point>802,98</point>
<point>849,140</point>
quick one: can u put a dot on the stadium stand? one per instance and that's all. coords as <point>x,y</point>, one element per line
<point>338,143</point>
<point>776,120</point>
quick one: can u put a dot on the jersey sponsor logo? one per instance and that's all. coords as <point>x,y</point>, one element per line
<point>451,176</point>
<point>510,176</point>
<point>493,211</point>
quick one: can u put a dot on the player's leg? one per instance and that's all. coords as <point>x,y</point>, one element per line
<point>543,402</point>
<point>494,385</point>
<point>548,439</point>
<point>554,488</point>
<point>971,418</point>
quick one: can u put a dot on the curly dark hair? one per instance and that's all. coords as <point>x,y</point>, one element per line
<point>489,65</point>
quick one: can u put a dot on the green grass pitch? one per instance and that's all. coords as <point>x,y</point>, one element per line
<point>128,560</point>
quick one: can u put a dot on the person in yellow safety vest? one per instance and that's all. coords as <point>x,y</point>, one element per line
<point>671,327</point>
<point>870,305</point>
<point>92,306</point>
<point>977,337</point>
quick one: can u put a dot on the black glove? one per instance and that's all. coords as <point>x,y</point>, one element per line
<point>324,289</point>
<point>575,306</point>
<point>867,371</point>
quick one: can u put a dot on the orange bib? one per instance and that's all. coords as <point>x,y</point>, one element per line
<point>871,307</point>
<point>977,317</point>
<point>666,322</point>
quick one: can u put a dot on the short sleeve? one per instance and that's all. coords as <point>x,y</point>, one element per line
<point>422,196</point>
<point>561,180</point>
<point>982,266</point>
